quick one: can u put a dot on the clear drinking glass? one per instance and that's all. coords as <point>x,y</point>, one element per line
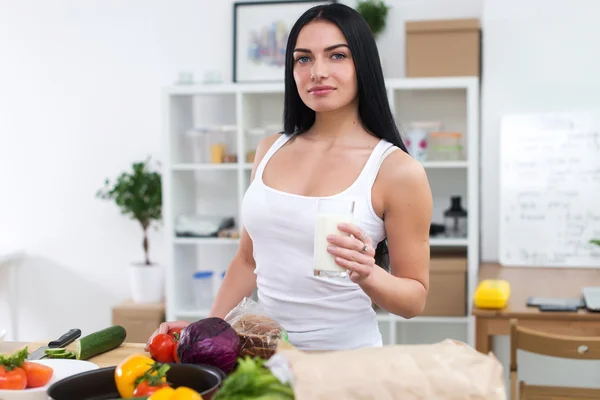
<point>330,213</point>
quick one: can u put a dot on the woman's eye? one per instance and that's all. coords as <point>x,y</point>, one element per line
<point>338,56</point>
<point>302,59</point>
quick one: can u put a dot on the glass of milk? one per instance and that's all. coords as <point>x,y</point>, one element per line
<point>330,213</point>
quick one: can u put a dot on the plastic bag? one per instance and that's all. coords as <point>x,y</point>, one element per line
<point>259,334</point>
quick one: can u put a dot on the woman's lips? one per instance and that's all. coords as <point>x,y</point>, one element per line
<point>321,90</point>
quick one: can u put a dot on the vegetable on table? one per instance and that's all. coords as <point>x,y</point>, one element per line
<point>146,388</point>
<point>163,347</point>
<point>18,374</point>
<point>211,341</point>
<point>181,393</point>
<point>136,369</point>
<point>100,342</point>
<point>38,375</point>
<point>252,380</point>
<point>59,353</point>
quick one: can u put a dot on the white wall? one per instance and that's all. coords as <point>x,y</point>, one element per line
<point>80,84</point>
<point>539,56</point>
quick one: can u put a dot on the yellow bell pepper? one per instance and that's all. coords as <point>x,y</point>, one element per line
<point>162,394</point>
<point>181,393</point>
<point>129,370</point>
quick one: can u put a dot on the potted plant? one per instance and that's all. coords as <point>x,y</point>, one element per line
<point>595,241</point>
<point>138,195</point>
<point>375,13</point>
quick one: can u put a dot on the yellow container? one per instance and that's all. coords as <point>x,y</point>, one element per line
<point>492,293</point>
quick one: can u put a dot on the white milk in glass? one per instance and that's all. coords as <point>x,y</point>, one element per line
<point>330,213</point>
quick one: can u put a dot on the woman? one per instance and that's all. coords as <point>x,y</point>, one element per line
<point>339,140</point>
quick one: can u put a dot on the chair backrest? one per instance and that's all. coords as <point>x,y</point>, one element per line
<point>553,345</point>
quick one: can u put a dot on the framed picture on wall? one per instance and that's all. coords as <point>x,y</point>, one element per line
<point>260,34</point>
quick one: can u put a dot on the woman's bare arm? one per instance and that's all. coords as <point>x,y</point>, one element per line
<point>407,200</point>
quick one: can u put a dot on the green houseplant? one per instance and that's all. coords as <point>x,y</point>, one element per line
<point>595,241</point>
<point>375,12</point>
<point>138,195</point>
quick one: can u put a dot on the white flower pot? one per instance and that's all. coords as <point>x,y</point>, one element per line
<point>147,283</point>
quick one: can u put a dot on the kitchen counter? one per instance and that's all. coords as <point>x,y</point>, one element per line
<point>107,359</point>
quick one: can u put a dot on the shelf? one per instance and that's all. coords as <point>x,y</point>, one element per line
<point>445,164</point>
<point>448,242</point>
<point>249,88</point>
<point>207,240</point>
<point>205,167</point>
<point>432,83</point>
<point>382,316</point>
<point>218,189</point>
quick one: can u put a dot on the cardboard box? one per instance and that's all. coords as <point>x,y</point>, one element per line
<point>438,48</point>
<point>447,286</point>
<point>139,320</point>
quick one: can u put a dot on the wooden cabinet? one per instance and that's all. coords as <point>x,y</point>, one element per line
<point>139,320</point>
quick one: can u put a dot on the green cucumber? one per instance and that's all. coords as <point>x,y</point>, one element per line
<point>59,353</point>
<point>99,342</point>
<point>55,351</point>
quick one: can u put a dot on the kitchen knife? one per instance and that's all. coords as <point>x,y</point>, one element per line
<point>62,341</point>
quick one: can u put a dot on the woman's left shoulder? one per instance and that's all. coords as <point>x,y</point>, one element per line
<point>400,168</point>
<point>401,185</point>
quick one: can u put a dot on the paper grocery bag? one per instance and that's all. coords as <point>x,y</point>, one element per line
<point>447,370</point>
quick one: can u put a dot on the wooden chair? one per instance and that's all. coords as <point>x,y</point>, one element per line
<point>571,347</point>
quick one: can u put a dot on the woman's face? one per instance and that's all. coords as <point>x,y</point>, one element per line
<point>323,67</point>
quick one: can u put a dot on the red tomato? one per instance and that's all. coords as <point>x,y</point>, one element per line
<point>14,379</point>
<point>175,333</point>
<point>145,389</point>
<point>38,375</point>
<point>161,348</point>
<point>175,357</point>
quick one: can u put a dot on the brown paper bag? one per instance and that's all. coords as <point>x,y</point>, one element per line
<point>447,370</point>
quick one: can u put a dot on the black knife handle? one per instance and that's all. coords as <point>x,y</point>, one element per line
<point>66,339</point>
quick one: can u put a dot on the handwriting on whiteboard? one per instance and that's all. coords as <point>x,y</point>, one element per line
<point>550,190</point>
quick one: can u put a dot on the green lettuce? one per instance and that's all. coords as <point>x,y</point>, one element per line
<point>253,381</point>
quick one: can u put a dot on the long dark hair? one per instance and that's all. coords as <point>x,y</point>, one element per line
<point>373,106</point>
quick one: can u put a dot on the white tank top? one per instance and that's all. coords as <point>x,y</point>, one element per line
<point>318,313</point>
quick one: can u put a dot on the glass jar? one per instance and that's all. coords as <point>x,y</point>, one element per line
<point>230,138</point>
<point>253,138</point>
<point>446,146</point>
<point>455,219</point>
<point>198,140</point>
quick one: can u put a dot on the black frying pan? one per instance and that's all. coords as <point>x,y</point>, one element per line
<point>100,384</point>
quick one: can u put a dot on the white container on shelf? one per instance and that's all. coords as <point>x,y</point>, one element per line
<point>446,146</point>
<point>203,289</point>
<point>220,281</point>
<point>417,138</point>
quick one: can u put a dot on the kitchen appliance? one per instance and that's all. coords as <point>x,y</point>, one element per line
<point>100,384</point>
<point>455,219</point>
<point>62,341</point>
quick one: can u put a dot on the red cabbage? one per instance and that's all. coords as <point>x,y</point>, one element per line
<point>209,341</point>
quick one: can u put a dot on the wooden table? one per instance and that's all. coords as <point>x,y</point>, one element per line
<point>107,359</point>
<point>542,282</point>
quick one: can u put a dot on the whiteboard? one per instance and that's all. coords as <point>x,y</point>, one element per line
<point>549,190</point>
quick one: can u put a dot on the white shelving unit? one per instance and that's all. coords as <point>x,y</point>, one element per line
<point>218,189</point>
